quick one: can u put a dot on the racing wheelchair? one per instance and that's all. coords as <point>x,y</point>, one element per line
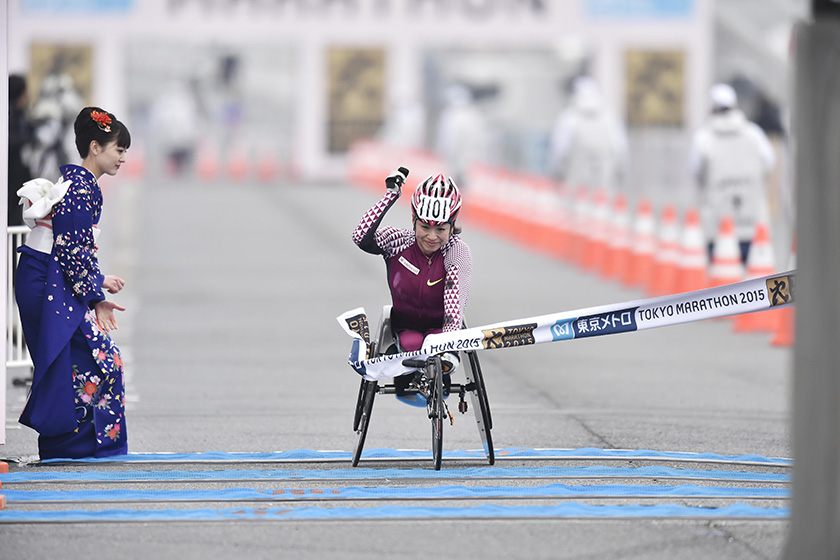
<point>427,382</point>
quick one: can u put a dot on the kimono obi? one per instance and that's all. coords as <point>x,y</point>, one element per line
<point>38,198</point>
<point>40,237</point>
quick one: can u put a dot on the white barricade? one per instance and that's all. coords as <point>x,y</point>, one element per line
<point>17,354</point>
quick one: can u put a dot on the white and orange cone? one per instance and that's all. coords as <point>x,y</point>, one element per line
<point>617,257</point>
<point>267,167</point>
<point>580,234</point>
<point>597,244</point>
<point>760,262</point>
<point>237,165</point>
<point>693,266</point>
<point>207,166</point>
<point>727,267</point>
<point>784,334</point>
<point>643,245</point>
<point>664,278</point>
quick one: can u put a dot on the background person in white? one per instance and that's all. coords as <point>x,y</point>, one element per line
<point>729,160</point>
<point>588,146</point>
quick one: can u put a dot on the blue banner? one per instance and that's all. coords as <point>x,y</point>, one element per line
<point>632,9</point>
<point>65,7</point>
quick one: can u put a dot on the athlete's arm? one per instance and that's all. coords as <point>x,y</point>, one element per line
<point>458,265</point>
<point>365,234</point>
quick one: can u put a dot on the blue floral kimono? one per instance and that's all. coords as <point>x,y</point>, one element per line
<point>77,399</point>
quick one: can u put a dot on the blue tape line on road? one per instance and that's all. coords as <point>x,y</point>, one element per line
<point>384,453</point>
<point>595,471</point>
<point>566,509</point>
<point>387,492</point>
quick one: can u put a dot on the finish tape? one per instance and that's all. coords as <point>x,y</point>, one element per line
<point>758,294</point>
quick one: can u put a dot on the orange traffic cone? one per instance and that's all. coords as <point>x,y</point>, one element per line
<point>664,278</point>
<point>238,164</point>
<point>596,246</point>
<point>784,335</point>
<point>579,235</point>
<point>617,257</point>
<point>760,262</point>
<point>206,165</point>
<point>267,167</point>
<point>560,223</point>
<point>727,267</point>
<point>693,265</point>
<point>643,245</point>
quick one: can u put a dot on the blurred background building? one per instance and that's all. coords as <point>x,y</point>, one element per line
<point>223,88</point>
<point>300,80</point>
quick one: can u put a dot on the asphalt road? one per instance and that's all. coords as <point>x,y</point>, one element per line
<point>231,344</point>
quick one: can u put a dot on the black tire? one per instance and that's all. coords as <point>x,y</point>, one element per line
<point>437,413</point>
<point>481,388</point>
<point>369,389</point>
<point>360,404</point>
<point>482,411</point>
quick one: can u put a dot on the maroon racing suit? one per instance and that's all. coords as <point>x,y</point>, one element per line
<point>429,294</point>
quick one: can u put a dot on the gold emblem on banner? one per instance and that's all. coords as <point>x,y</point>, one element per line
<point>505,337</point>
<point>780,289</point>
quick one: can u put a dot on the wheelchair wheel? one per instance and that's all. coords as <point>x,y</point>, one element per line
<point>481,406</point>
<point>360,404</point>
<point>437,411</point>
<point>367,392</point>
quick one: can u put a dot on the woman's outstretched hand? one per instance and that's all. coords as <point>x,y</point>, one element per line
<point>105,315</point>
<point>113,284</point>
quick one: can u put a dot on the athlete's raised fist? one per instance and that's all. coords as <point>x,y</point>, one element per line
<point>395,180</point>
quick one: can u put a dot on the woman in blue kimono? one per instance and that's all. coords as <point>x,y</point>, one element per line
<point>77,399</point>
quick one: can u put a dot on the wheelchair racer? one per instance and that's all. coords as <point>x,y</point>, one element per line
<point>429,266</point>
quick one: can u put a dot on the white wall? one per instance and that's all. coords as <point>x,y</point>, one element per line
<point>4,167</point>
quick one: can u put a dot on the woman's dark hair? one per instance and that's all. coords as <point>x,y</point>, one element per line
<point>94,123</point>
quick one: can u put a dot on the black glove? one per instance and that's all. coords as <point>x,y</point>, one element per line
<point>395,180</point>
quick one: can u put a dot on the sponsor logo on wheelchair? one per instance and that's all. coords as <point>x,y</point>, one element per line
<point>781,289</point>
<point>506,337</point>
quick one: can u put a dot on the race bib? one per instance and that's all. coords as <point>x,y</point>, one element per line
<point>430,209</point>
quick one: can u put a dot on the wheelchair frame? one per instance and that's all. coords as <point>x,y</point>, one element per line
<point>432,389</point>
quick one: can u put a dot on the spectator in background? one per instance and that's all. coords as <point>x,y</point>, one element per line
<point>20,137</point>
<point>588,145</point>
<point>52,119</point>
<point>405,123</point>
<point>176,120</point>
<point>462,133</point>
<point>729,160</point>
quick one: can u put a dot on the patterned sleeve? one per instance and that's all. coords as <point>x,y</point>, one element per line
<point>377,240</point>
<point>75,250</point>
<point>458,265</point>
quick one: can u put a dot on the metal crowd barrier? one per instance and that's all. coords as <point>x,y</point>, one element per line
<point>17,354</point>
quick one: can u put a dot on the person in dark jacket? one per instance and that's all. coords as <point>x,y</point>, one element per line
<point>20,135</point>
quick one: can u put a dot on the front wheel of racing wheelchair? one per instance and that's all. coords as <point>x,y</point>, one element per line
<point>431,387</point>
